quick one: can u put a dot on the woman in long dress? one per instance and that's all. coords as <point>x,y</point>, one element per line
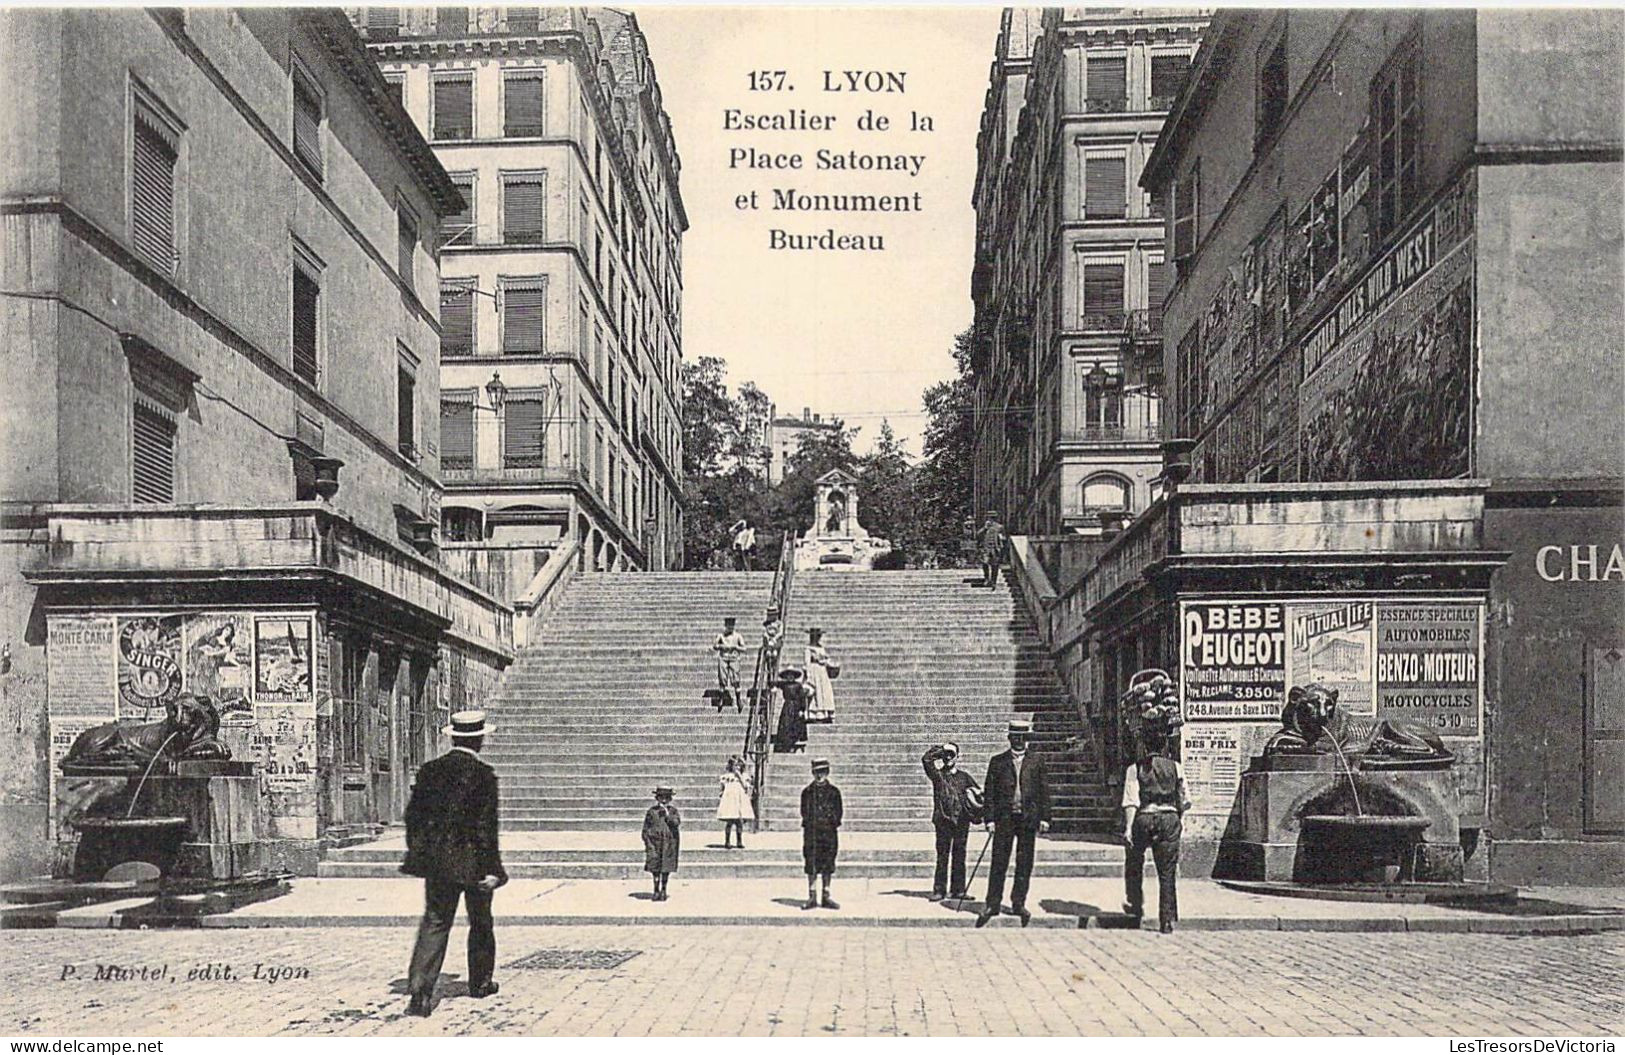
<point>822,706</point>
<point>734,808</point>
<point>791,734</point>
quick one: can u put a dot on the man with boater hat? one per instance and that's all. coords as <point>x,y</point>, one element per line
<point>955,804</point>
<point>451,842</point>
<point>1016,794</point>
<point>820,824</point>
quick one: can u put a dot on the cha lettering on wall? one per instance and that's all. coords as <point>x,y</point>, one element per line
<point>1581,563</point>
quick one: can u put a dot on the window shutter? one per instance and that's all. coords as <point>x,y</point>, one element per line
<point>1167,79</point>
<point>458,228</point>
<point>456,320</point>
<point>383,23</point>
<point>451,21</point>
<point>152,192</point>
<point>522,211</point>
<point>406,233</point>
<point>1107,85</point>
<point>457,433</point>
<point>1105,187</point>
<point>306,312</point>
<point>524,19</point>
<point>524,309</point>
<point>152,455</point>
<point>454,109</point>
<point>523,445</point>
<point>1185,215</point>
<point>1103,295</point>
<point>397,89</point>
<point>307,123</point>
<point>1156,287</point>
<point>405,411</point>
<point>522,106</point>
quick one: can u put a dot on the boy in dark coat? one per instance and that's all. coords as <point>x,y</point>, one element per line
<point>820,823</point>
<point>955,798</point>
<point>451,842</point>
<point>661,840</point>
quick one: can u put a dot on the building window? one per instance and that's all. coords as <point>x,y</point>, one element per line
<point>1396,117</point>
<point>524,19</point>
<point>1103,296</point>
<point>1190,380</point>
<point>1105,187</point>
<point>383,23</point>
<point>458,228</point>
<point>457,430</point>
<point>406,237</point>
<point>406,402</point>
<point>460,525</point>
<point>1107,85</point>
<point>522,212</point>
<point>307,315</point>
<point>1186,210</point>
<point>524,431</point>
<point>456,319</point>
<point>155,152</point>
<point>351,663</point>
<point>1168,73</point>
<point>524,313</point>
<point>396,83</point>
<point>1271,86</point>
<point>1156,288</point>
<point>453,116</point>
<point>307,121</point>
<point>450,21</point>
<point>522,110</point>
<point>583,448</point>
<point>1105,492</point>
<point>152,453</point>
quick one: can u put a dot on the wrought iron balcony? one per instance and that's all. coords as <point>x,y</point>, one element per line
<point>1105,105</point>
<point>1103,320</point>
<point>512,473</point>
<point>1138,433</point>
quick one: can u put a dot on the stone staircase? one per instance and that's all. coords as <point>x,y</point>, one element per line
<point>608,702</point>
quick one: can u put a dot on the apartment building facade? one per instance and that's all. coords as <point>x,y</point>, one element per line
<point>1070,271</point>
<point>221,474</point>
<point>560,403</point>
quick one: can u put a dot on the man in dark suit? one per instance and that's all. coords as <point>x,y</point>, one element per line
<point>451,842</point>
<point>1016,797</point>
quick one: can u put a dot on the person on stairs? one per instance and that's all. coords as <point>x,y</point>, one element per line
<point>993,541</point>
<point>1018,810</point>
<point>744,544</point>
<point>821,670</point>
<point>820,826</point>
<point>729,646</point>
<point>791,733</point>
<point>451,843</point>
<point>662,837</point>
<point>956,802</point>
<point>734,809</point>
<point>1154,805</point>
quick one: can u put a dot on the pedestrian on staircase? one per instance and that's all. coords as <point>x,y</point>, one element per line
<point>735,809</point>
<point>1018,810</point>
<point>821,671</point>
<point>451,842</point>
<point>994,541</point>
<point>662,831</point>
<point>744,543</point>
<point>820,827</point>
<point>956,802</point>
<point>772,643</point>
<point>729,646</point>
<point>791,734</point>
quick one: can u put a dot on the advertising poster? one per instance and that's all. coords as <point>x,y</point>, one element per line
<point>149,664</point>
<point>219,663</point>
<point>1331,645</point>
<point>70,796</point>
<point>282,660</point>
<point>284,749</point>
<point>1428,666</point>
<point>1232,660</point>
<point>1213,759</point>
<point>81,665</point>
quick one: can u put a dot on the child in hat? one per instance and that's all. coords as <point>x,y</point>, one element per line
<point>820,825</point>
<point>729,646</point>
<point>734,809</point>
<point>661,837</point>
<point>772,642</point>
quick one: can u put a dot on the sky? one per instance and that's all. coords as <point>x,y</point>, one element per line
<point>858,335</point>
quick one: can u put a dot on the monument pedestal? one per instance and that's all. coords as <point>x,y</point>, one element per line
<point>1265,839</point>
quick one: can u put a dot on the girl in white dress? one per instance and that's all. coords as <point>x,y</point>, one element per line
<point>734,809</point>
<point>820,669</point>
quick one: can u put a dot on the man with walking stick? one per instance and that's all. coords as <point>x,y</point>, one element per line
<point>1018,810</point>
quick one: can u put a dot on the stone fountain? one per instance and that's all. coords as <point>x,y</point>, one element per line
<point>1329,810</point>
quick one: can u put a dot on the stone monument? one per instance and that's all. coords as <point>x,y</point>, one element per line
<point>836,541</point>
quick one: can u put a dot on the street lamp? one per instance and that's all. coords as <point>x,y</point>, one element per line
<point>497,391</point>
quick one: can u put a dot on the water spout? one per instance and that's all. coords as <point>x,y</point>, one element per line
<point>143,781</point>
<point>1353,788</point>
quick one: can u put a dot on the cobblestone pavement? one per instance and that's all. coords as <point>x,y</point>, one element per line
<point>822,981</point>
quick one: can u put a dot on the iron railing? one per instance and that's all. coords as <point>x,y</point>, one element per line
<point>758,735</point>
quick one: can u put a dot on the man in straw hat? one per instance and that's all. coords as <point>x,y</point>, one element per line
<point>956,802</point>
<point>820,825</point>
<point>451,842</point>
<point>1017,801</point>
